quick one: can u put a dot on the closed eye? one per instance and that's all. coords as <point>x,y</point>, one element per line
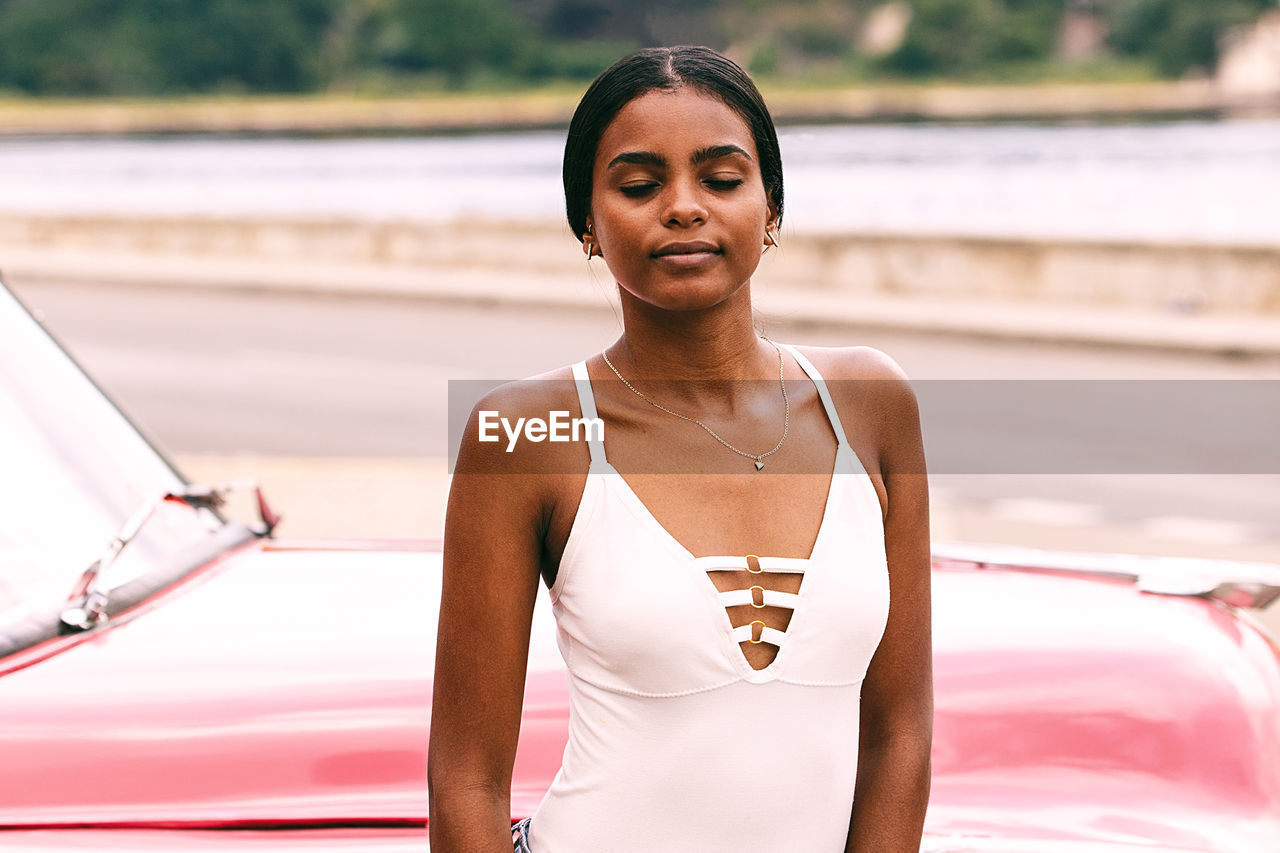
<point>724,183</point>
<point>637,190</point>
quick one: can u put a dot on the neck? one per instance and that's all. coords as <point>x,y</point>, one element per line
<point>717,344</point>
<point>716,356</point>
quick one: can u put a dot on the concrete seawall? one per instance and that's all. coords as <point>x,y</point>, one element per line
<point>444,112</point>
<point>1211,296</point>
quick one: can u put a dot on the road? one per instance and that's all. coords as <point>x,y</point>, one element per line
<point>279,377</point>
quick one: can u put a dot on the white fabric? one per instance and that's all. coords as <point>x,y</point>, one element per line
<point>740,564</point>
<point>766,598</point>
<point>745,634</point>
<point>587,403</point>
<point>675,743</point>
<point>823,393</point>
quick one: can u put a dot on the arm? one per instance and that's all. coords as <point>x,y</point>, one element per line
<point>492,548</point>
<point>895,737</point>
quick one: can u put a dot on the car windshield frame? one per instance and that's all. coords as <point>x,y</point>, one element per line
<point>73,469</point>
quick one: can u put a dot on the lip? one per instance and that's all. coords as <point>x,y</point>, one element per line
<point>690,255</point>
<point>697,247</point>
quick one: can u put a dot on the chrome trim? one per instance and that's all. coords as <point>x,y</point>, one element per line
<point>1234,582</point>
<point>43,626</point>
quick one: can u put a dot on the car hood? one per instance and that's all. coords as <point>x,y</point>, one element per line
<point>1076,714</point>
<point>298,681</point>
<point>992,842</point>
<point>998,826</point>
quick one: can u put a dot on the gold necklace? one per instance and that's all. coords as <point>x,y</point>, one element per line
<point>756,457</point>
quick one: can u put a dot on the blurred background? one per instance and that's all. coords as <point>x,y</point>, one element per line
<point>275,231</point>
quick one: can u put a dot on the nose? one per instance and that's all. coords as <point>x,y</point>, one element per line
<point>684,204</point>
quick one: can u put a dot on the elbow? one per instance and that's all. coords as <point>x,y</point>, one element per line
<point>901,734</point>
<point>906,755</point>
<point>460,813</point>
<point>453,791</point>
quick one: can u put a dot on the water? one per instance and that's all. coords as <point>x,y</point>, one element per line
<point>1192,180</point>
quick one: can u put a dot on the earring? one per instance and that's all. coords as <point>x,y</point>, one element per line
<point>773,238</point>
<point>589,245</point>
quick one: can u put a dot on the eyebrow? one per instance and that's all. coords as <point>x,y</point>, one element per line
<point>715,152</point>
<point>702,155</point>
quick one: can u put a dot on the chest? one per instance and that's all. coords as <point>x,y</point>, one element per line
<point>639,613</point>
<point>779,514</point>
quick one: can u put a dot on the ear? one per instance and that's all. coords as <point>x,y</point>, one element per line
<point>590,243</point>
<point>771,217</point>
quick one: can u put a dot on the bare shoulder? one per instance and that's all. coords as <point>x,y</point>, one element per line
<point>853,363</point>
<point>506,431</point>
<point>510,485</point>
<point>858,376</point>
<point>533,393</point>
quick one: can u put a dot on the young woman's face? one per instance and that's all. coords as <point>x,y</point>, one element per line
<point>678,206</point>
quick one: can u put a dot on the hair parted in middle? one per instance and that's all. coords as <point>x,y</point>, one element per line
<point>663,68</point>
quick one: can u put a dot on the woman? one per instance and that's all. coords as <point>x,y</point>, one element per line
<point>720,700</point>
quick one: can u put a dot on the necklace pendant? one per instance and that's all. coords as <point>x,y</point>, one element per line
<point>759,464</point>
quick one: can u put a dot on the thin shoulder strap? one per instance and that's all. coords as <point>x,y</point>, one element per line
<point>587,401</point>
<point>823,393</point>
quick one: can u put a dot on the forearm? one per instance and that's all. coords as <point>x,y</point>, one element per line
<point>469,821</point>
<point>891,796</point>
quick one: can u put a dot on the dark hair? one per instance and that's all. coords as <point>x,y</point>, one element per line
<point>663,68</point>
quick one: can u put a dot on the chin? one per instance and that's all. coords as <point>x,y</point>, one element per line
<point>684,296</point>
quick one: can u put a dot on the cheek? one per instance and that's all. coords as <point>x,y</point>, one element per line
<point>618,227</point>
<point>751,221</point>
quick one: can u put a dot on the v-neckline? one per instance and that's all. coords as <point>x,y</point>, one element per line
<point>739,658</point>
<point>662,532</point>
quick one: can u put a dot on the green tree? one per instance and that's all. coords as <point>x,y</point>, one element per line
<point>128,47</point>
<point>455,37</point>
<point>1177,35</point>
<point>54,46</point>
<point>1025,30</point>
<point>236,44</point>
<point>945,37</point>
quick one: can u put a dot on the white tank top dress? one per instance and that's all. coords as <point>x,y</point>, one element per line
<point>676,744</point>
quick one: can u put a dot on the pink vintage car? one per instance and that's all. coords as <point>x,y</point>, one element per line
<point>170,680</point>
